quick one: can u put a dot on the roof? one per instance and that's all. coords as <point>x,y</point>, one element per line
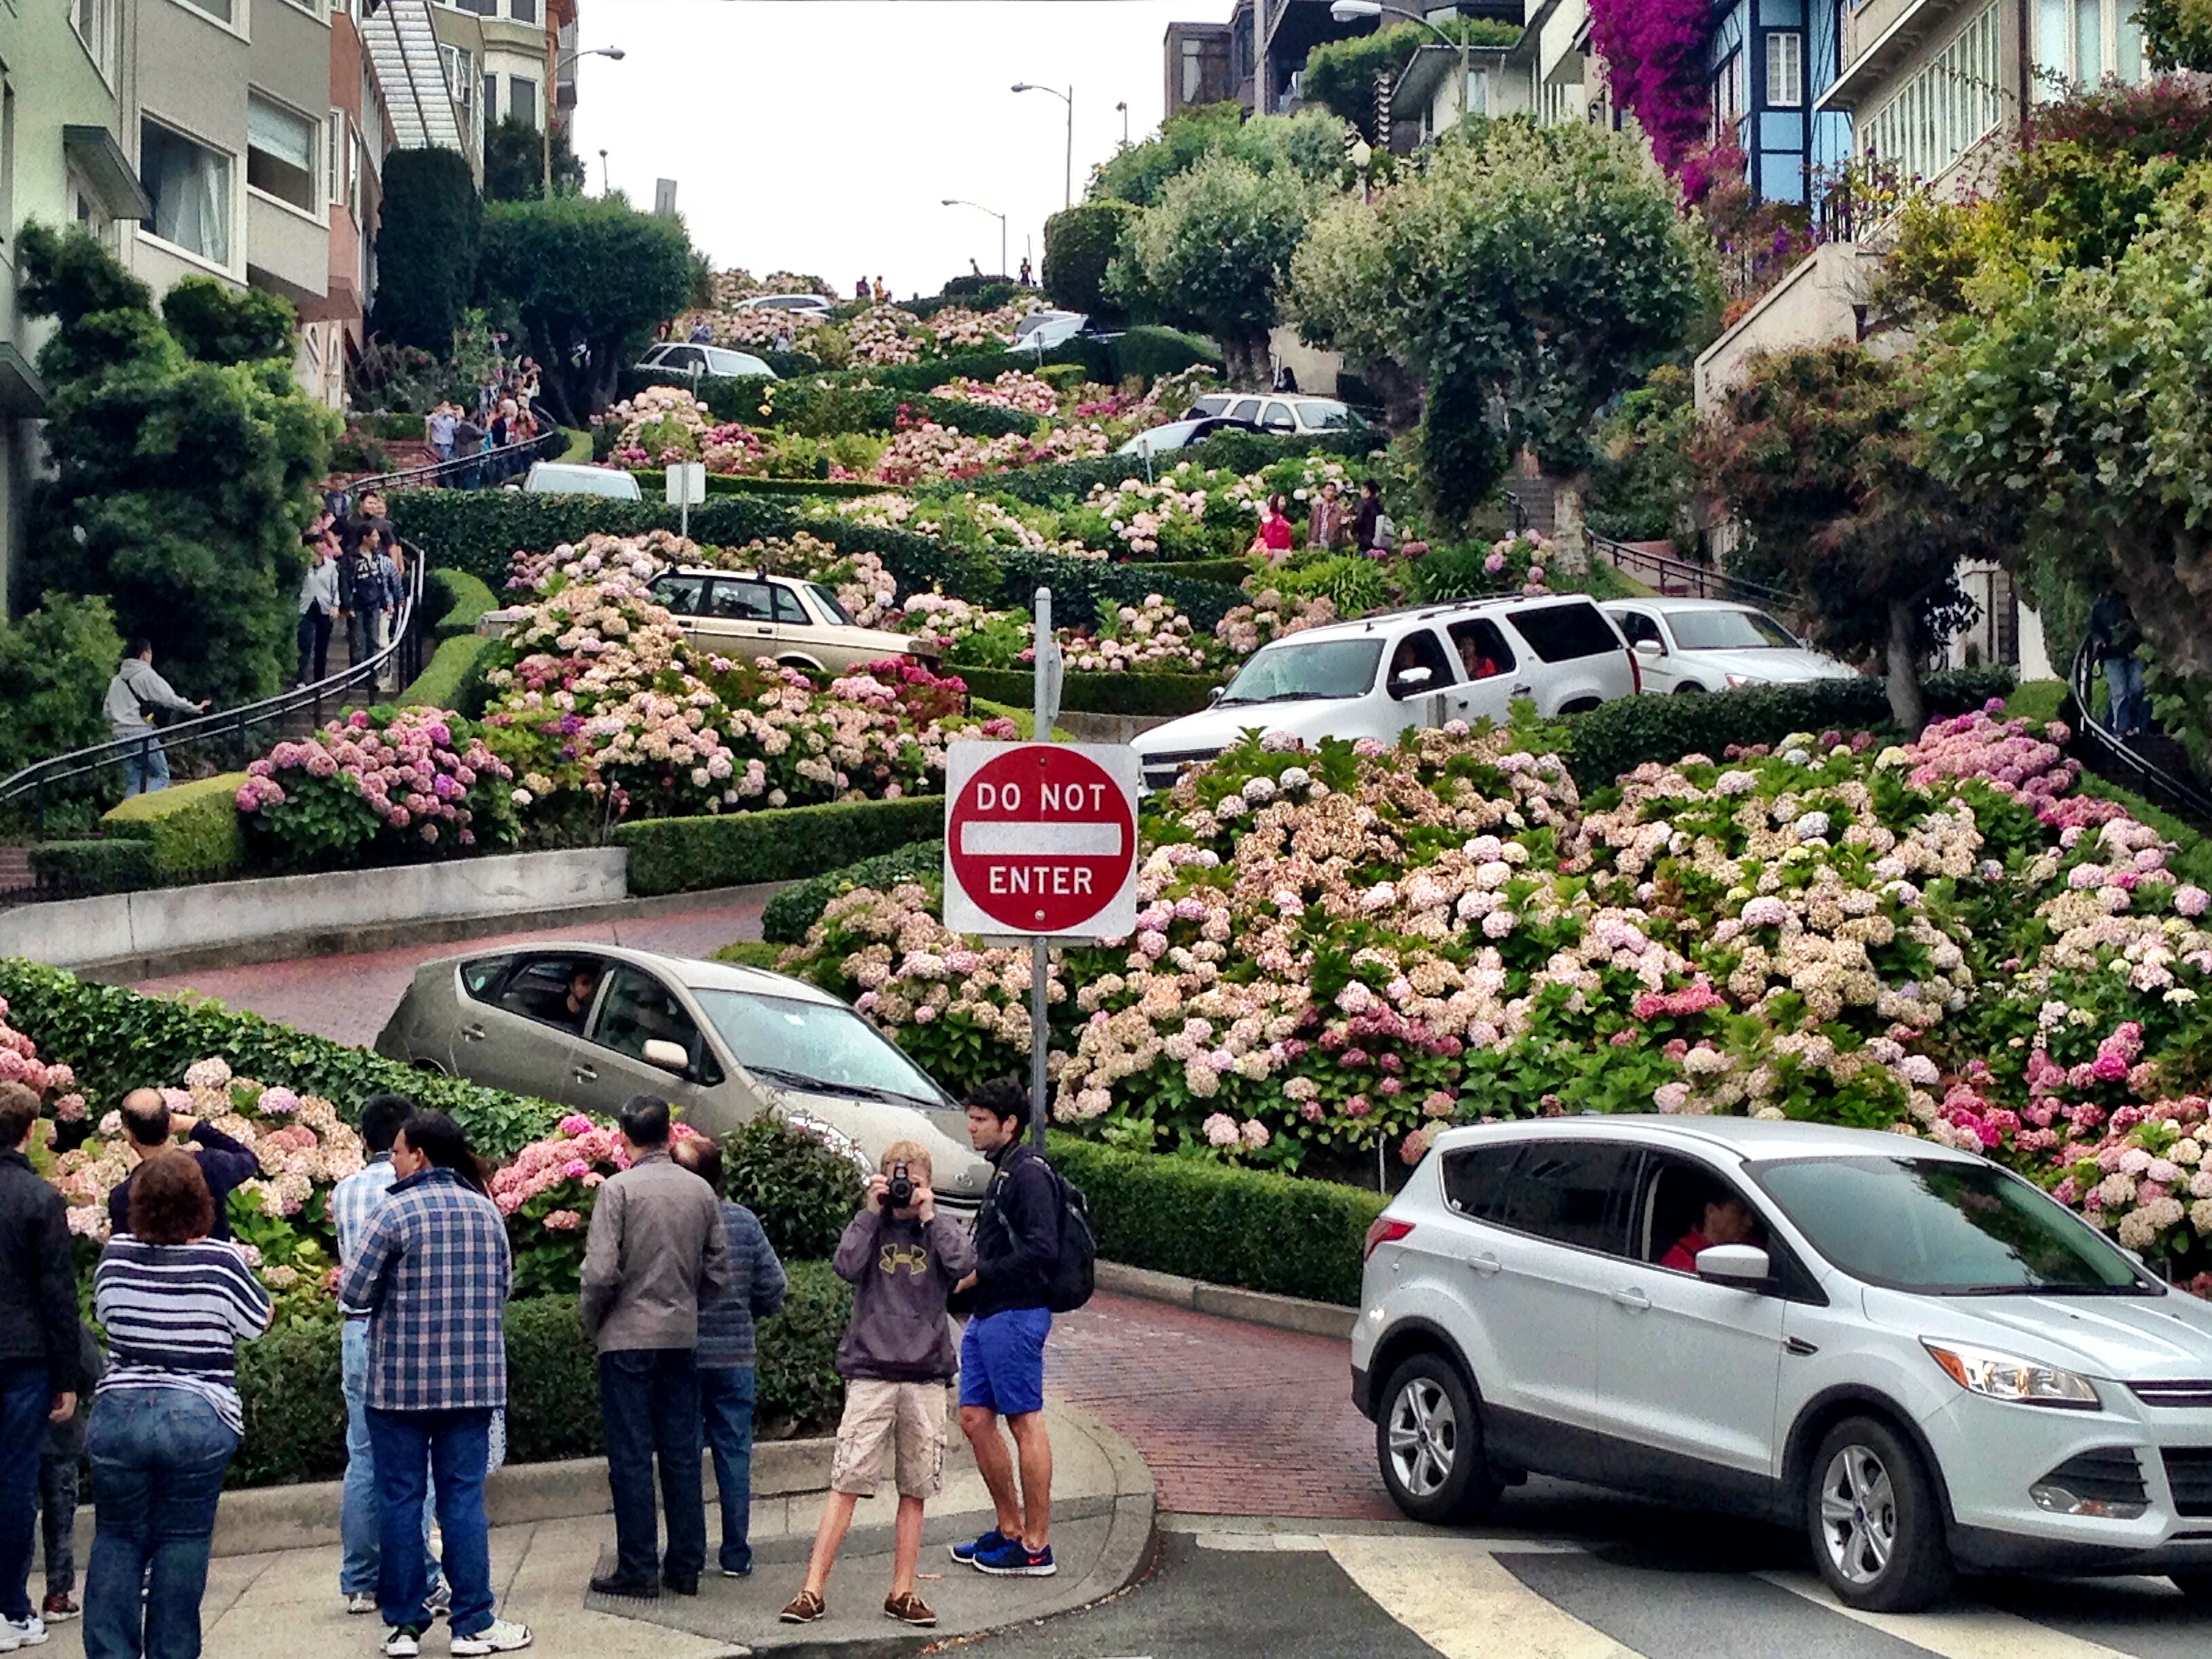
<point>690,971</point>
<point>402,46</point>
<point>1376,622</point>
<point>1666,605</point>
<point>1751,1139</point>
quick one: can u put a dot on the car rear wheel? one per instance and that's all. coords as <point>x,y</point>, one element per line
<point>1687,690</point>
<point>1876,1526</point>
<point>1428,1440</point>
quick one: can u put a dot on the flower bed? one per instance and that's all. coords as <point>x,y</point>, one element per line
<point>378,785</point>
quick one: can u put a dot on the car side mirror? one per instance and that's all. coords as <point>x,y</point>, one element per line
<point>1649,648</point>
<point>1744,1265</point>
<point>668,1057</point>
<point>1410,677</point>
<point>1213,695</point>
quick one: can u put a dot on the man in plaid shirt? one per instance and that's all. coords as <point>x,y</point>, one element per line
<point>432,1274</point>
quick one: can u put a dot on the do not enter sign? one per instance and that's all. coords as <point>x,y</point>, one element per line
<point>1041,838</point>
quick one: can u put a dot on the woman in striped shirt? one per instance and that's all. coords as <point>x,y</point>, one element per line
<point>166,1422</point>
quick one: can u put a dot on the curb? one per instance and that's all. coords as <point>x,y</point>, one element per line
<point>1282,1313</point>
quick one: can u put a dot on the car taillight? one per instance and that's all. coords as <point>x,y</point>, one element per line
<point>1387,1230</point>
<point>1635,672</point>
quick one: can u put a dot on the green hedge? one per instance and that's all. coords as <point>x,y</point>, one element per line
<point>654,482</point>
<point>1621,736</point>
<point>458,598</point>
<point>1249,1228</point>
<point>78,868</point>
<point>799,906</point>
<point>1148,352</point>
<point>1099,694</point>
<point>1225,573</point>
<point>295,1417</point>
<point>683,855</point>
<point>193,828</point>
<point>438,685</point>
<point>119,1040</point>
<point>1239,451</point>
<point>815,410</point>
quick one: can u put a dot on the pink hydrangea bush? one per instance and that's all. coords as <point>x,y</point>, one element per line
<point>1023,393</point>
<point>381,783</point>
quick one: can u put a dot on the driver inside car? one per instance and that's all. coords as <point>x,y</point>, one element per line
<point>1728,1220</point>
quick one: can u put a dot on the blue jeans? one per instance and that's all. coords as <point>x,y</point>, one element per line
<point>455,1446</point>
<point>25,1397</point>
<point>649,1401</point>
<point>158,1457</point>
<point>360,1519</point>
<point>726,1404</point>
<point>2123,678</point>
<point>145,767</point>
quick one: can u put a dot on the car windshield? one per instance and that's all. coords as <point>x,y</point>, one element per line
<point>1731,630</point>
<point>1173,435</point>
<point>1324,668</point>
<point>1945,1227</point>
<point>1317,414</point>
<point>828,600</point>
<point>1036,320</point>
<point>815,1045</point>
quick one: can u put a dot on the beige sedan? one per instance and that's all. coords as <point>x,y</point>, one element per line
<point>744,615</point>
<point>589,1025</point>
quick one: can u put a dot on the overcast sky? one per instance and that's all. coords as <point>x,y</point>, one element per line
<point>821,135</point>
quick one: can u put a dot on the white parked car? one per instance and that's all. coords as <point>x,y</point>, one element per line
<point>747,614</point>
<point>1716,645</point>
<point>1284,413</point>
<point>695,360</point>
<point>1040,331</point>
<point>1922,1361</point>
<point>581,478</point>
<point>1376,676</point>
<point>799,304</point>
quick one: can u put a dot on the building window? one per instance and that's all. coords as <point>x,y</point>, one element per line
<point>2081,42</point>
<point>190,186</point>
<point>522,11</point>
<point>491,99</point>
<point>95,23</point>
<point>334,157</point>
<point>1728,97</point>
<point>1956,101</point>
<point>223,11</point>
<point>522,99</point>
<point>1474,97</point>
<point>1785,69</point>
<point>280,152</point>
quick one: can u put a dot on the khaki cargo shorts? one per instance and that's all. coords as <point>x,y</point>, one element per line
<point>906,1418</point>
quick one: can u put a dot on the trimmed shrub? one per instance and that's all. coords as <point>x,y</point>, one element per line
<point>815,411</point>
<point>295,1415</point>
<point>1099,694</point>
<point>192,828</point>
<point>450,666</point>
<point>1079,243</point>
<point>118,1039</point>
<point>1148,351</point>
<point>804,1193</point>
<point>1240,451</point>
<point>1249,1228</point>
<point>69,869</point>
<point>796,1370</point>
<point>1621,736</point>
<point>1226,573</point>
<point>799,906</point>
<point>683,855</point>
<point>459,598</point>
<point>654,482</point>
<point>425,249</point>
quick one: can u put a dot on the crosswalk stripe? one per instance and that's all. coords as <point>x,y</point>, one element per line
<point>1984,1634</point>
<point>1454,1597</point>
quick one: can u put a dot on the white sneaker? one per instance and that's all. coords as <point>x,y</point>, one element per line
<point>21,1632</point>
<point>498,1637</point>
<point>400,1643</point>
<point>361,1601</point>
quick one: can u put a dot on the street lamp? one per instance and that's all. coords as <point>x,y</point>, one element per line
<point>613,54</point>
<point>1124,110</point>
<point>1354,11</point>
<point>954,200</point>
<point>1067,175</point>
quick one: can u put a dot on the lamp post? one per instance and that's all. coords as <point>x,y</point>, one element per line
<point>954,200</point>
<point>613,54</point>
<point>1067,174</point>
<point>1351,11</point>
<point>606,179</point>
<point>1124,109</point>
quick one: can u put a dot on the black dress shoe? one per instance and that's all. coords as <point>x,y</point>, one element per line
<point>643,1589</point>
<point>681,1584</point>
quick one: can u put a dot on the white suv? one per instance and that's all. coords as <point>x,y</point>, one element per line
<point>1382,673</point>
<point>1925,1362</point>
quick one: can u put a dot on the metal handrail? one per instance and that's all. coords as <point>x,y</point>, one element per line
<point>2153,779</point>
<point>1697,576</point>
<point>205,731</point>
<point>437,474</point>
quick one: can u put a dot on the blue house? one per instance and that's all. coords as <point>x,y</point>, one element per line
<point>1770,61</point>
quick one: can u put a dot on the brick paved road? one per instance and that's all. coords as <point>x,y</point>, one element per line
<point>1234,1420</point>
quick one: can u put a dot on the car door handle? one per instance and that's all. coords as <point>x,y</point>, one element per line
<point>585,1074</point>
<point>472,1033</point>
<point>1519,691</point>
<point>1486,1265</point>
<point>1632,1299</point>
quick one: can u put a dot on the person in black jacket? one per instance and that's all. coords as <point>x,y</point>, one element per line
<point>148,1123</point>
<point>2115,636</point>
<point>1002,1351</point>
<point>39,1359</point>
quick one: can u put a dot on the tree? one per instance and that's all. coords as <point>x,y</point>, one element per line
<point>587,279</point>
<point>1211,252</point>
<point>426,248</point>
<point>1642,485</point>
<point>55,664</point>
<point>1080,244</point>
<point>185,459</point>
<point>1309,145</point>
<point>515,161</point>
<point>1534,273</point>
<point>2081,394</point>
<point>1814,457</point>
<point>2176,34</point>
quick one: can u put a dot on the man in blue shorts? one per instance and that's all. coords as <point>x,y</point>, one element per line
<point>1002,1352</point>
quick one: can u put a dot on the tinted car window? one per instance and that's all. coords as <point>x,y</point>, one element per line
<point>1323,416</point>
<point>1635,625</point>
<point>788,607</point>
<point>1419,649</point>
<point>1279,418</point>
<point>681,594</point>
<point>1561,633</point>
<point>639,1009</point>
<point>481,978</point>
<point>1483,651</point>
<point>1572,1192</point>
<point>538,989</point>
<point>741,601</point>
<point>1477,1180</point>
<point>1248,409</point>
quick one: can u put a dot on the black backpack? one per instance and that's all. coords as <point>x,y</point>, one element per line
<point>1075,1273</point>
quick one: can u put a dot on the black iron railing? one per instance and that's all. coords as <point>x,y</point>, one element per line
<point>2111,756</point>
<point>1680,579</point>
<point>486,469</point>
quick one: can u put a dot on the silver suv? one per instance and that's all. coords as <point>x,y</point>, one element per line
<point>1925,1362</point>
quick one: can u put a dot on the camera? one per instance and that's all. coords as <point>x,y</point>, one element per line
<point>901,1194</point>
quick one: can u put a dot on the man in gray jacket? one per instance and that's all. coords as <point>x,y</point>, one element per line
<point>657,1245</point>
<point>135,690</point>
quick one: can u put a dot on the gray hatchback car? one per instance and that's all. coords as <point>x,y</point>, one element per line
<point>589,1025</point>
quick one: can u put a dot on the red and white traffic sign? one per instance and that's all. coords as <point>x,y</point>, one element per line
<point>1041,838</point>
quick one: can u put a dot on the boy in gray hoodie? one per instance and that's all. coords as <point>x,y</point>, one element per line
<point>903,1260</point>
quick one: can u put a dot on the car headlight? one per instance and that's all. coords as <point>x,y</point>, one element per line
<point>1737,682</point>
<point>2008,1376</point>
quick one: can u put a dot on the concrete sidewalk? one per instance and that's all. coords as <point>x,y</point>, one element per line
<point>280,1604</point>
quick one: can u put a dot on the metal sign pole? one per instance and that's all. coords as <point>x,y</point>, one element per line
<point>1045,657</point>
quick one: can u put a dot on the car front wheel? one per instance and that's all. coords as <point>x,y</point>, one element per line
<point>1876,1525</point>
<point>2197,1586</point>
<point>1429,1442</point>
